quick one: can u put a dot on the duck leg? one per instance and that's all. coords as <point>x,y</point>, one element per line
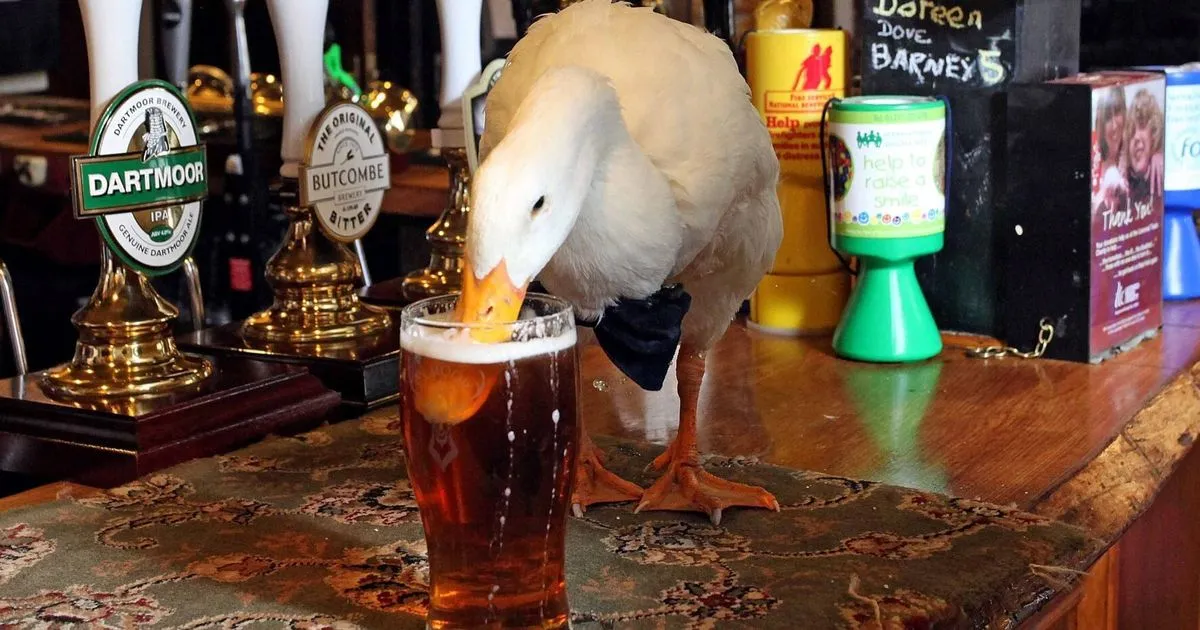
<point>596,484</point>
<point>685,485</point>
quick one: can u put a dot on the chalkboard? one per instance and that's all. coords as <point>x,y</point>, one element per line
<point>938,45</point>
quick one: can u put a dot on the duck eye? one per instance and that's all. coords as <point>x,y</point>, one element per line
<point>537,205</point>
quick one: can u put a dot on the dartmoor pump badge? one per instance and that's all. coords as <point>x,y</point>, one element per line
<point>144,177</point>
<point>345,171</point>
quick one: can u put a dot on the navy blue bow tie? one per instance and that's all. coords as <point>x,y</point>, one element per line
<point>640,336</point>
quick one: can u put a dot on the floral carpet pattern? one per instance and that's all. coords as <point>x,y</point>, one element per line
<point>321,530</point>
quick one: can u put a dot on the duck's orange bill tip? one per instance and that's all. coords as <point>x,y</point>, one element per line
<point>492,299</point>
<point>449,393</point>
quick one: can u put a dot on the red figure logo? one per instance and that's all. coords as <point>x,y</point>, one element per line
<point>815,69</point>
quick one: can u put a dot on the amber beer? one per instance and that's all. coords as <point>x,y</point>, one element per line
<point>493,488</point>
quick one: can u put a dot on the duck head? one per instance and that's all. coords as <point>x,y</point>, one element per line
<point>527,196</point>
<point>530,191</point>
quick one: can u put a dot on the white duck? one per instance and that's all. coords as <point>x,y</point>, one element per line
<point>622,153</point>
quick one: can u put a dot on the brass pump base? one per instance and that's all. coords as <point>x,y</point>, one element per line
<point>315,280</point>
<point>125,347</point>
<point>447,237</point>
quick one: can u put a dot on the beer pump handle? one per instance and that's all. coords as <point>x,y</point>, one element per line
<point>459,23</point>
<point>8,301</point>
<point>111,30</point>
<point>241,73</point>
<point>176,29</point>
<point>191,276</point>
<point>245,192</point>
<point>299,32</point>
<point>243,169</point>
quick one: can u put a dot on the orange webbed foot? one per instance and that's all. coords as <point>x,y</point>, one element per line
<point>686,486</point>
<point>596,484</point>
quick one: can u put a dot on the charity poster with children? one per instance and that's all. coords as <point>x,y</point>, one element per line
<point>1128,129</point>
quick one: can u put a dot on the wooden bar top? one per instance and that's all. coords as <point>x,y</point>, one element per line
<point>1091,444</point>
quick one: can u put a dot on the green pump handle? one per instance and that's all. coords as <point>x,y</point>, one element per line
<point>333,67</point>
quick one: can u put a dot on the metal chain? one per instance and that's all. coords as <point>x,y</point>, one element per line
<point>1045,334</point>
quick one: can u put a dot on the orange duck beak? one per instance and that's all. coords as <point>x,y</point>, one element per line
<point>450,393</point>
<point>494,300</point>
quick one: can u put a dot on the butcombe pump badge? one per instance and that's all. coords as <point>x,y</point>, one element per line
<point>144,178</point>
<point>345,172</point>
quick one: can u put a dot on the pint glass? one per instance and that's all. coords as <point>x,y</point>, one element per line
<point>493,483</point>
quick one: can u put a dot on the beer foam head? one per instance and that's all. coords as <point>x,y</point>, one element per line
<point>454,345</point>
